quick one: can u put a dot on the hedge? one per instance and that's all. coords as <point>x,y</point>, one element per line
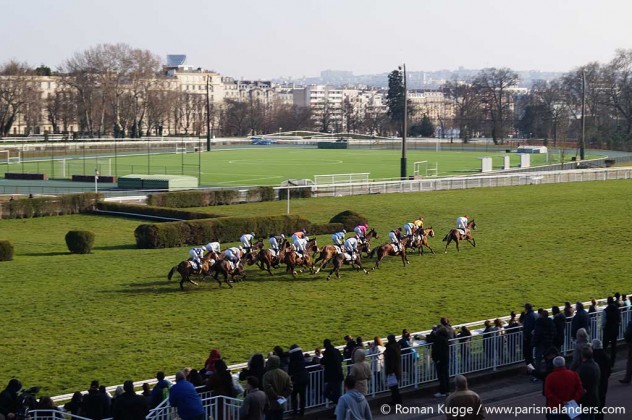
<point>25,208</point>
<point>261,194</point>
<point>324,228</point>
<point>6,251</point>
<point>166,212</point>
<point>182,199</point>
<point>226,229</point>
<point>305,192</point>
<point>349,219</point>
<point>80,241</point>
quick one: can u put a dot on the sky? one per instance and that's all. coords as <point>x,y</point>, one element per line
<point>264,39</point>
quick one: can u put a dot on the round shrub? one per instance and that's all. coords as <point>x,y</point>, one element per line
<point>6,251</point>
<point>79,241</point>
<point>349,219</point>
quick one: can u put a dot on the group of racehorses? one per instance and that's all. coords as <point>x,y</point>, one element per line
<point>314,258</point>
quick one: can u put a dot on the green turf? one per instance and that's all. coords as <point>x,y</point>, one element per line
<point>112,315</point>
<point>272,165</point>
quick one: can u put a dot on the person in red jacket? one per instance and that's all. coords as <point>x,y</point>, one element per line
<point>561,386</point>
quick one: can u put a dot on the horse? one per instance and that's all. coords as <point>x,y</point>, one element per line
<point>328,252</point>
<point>227,268</point>
<point>421,240</point>
<point>456,236</point>
<point>364,246</point>
<point>264,259</point>
<point>292,259</point>
<point>186,270</point>
<point>340,259</point>
<point>388,249</point>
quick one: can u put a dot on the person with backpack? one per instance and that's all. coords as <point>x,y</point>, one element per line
<point>627,336</point>
<point>160,392</point>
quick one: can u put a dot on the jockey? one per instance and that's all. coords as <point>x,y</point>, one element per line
<point>360,231</point>
<point>246,241</point>
<point>351,246</point>
<point>274,242</point>
<point>409,229</point>
<point>213,247</point>
<point>233,254</point>
<point>339,237</point>
<point>299,235</point>
<point>461,223</point>
<point>196,255</point>
<point>419,225</point>
<point>394,236</point>
<point>300,245</point>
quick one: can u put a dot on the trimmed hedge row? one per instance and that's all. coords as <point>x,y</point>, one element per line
<point>261,194</point>
<point>182,199</point>
<point>6,251</point>
<point>226,229</point>
<point>325,228</point>
<point>155,211</point>
<point>25,208</point>
<point>296,193</point>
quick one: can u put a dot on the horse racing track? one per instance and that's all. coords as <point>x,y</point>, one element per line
<point>113,315</point>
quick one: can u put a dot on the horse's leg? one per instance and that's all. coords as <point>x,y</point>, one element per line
<point>473,242</point>
<point>448,243</point>
<point>456,241</point>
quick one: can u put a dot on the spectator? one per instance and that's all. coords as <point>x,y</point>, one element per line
<point>348,348</point>
<point>376,353</point>
<point>446,323</point>
<point>593,306</point>
<point>220,384</point>
<point>160,392</point>
<point>404,342</point>
<point>332,376</point>
<point>589,374</point>
<point>409,362</point>
<point>318,355</point>
<point>581,339</point>
<point>465,401</point>
<point>441,356</point>
<point>195,378</point>
<point>611,320</point>
<point>543,335</point>
<point>353,405</point>
<point>129,405</point>
<point>488,340</point>
<point>361,371</point>
<point>9,399</point>
<point>580,320</point>
<point>561,386</point>
<point>254,404</point>
<point>513,322</point>
<point>300,379</point>
<point>185,399</point>
<point>209,365</point>
<point>603,361</point>
<point>96,405</point>
<point>464,340</point>
<point>147,393</point>
<point>256,368</point>
<point>48,409</point>
<point>559,319</point>
<point>627,336</point>
<point>528,325</point>
<point>541,374</point>
<point>568,310</point>
<point>74,405</point>
<point>284,357</point>
<point>277,386</point>
<point>501,340</point>
<point>393,368</point>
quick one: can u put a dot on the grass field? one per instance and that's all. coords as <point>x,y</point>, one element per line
<point>271,165</point>
<point>112,315</point>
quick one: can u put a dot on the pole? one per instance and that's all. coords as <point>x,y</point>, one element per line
<point>208,114</point>
<point>288,196</point>
<point>96,178</point>
<point>404,129</point>
<point>582,144</point>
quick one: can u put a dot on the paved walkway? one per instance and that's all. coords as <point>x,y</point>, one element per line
<point>516,391</point>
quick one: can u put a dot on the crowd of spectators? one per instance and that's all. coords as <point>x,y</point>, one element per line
<point>281,379</point>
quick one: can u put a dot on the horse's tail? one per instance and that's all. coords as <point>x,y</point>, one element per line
<point>172,271</point>
<point>447,236</point>
<point>373,251</point>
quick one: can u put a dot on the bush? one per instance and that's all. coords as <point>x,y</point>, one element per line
<point>349,219</point>
<point>225,229</point>
<point>325,228</point>
<point>183,199</point>
<point>296,193</point>
<point>25,208</point>
<point>80,241</point>
<point>6,251</point>
<point>170,213</point>
<point>261,194</point>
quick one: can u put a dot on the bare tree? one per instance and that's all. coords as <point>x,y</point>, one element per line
<point>467,107</point>
<point>492,85</point>
<point>19,94</point>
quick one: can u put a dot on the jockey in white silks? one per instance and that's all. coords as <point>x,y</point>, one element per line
<point>392,235</point>
<point>196,255</point>
<point>233,254</point>
<point>213,247</point>
<point>246,241</point>
<point>461,223</point>
<point>351,246</point>
<point>300,245</point>
<point>274,243</point>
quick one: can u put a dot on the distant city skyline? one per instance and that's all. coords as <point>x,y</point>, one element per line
<point>284,39</point>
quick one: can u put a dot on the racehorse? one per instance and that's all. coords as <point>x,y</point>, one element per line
<point>186,270</point>
<point>341,258</point>
<point>292,259</point>
<point>456,236</point>
<point>388,249</point>
<point>328,252</point>
<point>265,259</point>
<point>367,239</point>
<point>419,241</point>
<point>226,268</point>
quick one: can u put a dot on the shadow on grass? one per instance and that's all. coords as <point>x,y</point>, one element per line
<point>46,254</point>
<point>115,247</point>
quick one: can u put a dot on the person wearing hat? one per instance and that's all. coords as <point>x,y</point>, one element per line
<point>338,238</point>
<point>9,399</point>
<point>393,368</point>
<point>461,223</point>
<point>562,385</point>
<point>246,241</point>
<point>528,326</point>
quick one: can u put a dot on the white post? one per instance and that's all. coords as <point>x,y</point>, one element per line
<point>96,178</point>
<point>288,197</point>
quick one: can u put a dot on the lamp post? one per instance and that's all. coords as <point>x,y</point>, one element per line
<point>404,128</point>
<point>208,113</point>
<point>582,144</point>
<point>96,179</point>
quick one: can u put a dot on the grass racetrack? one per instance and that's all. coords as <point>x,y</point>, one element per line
<point>270,165</point>
<point>112,315</point>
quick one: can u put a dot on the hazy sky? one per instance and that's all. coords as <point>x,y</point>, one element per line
<point>272,38</point>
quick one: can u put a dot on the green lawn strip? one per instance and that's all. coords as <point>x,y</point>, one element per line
<point>113,315</point>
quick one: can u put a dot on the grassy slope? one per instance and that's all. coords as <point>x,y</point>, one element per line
<point>112,314</point>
